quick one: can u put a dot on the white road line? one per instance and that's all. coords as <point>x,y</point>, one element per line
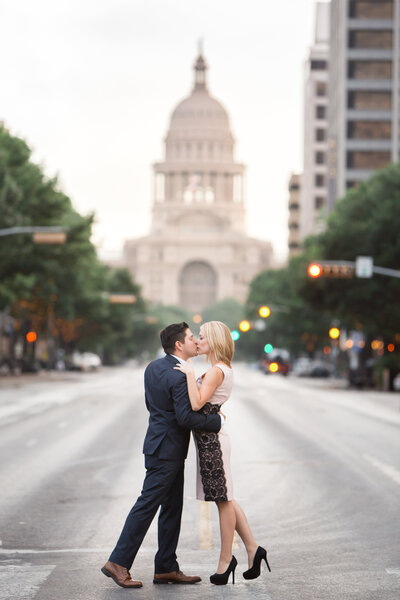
<point>386,469</point>
<point>393,572</point>
<point>205,530</point>
<point>11,551</point>
<point>235,545</point>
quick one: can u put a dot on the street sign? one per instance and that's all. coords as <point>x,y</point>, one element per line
<point>364,266</point>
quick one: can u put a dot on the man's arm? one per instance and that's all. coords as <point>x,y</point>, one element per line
<point>188,418</point>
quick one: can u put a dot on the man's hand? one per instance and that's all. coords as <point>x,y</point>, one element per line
<point>185,368</point>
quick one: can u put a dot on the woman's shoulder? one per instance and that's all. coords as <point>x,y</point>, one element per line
<point>213,374</point>
<point>224,368</point>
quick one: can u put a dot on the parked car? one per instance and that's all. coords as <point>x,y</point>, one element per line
<point>85,361</point>
<point>307,367</point>
<point>277,361</point>
<point>396,383</point>
<point>320,370</point>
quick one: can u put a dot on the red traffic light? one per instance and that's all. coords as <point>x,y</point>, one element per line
<point>31,337</point>
<point>314,270</point>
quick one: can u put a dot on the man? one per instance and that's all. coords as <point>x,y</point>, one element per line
<point>165,449</point>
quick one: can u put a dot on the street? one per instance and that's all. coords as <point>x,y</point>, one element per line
<point>316,469</point>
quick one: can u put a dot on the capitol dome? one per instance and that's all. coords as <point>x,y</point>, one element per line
<point>201,120</point>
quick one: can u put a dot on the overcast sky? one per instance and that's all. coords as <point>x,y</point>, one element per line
<point>91,84</point>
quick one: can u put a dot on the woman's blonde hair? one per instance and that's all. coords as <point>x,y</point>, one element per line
<point>220,341</point>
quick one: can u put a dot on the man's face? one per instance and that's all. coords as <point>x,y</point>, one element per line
<point>188,347</point>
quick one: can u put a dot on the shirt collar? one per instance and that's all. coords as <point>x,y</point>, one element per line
<point>179,359</point>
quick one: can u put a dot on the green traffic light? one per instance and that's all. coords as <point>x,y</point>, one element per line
<point>235,335</point>
<point>268,348</point>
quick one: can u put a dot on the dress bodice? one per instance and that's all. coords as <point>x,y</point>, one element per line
<point>223,391</point>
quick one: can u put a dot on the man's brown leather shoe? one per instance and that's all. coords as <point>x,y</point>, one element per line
<point>120,575</point>
<point>175,577</point>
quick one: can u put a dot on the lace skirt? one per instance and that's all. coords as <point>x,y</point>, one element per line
<point>213,450</point>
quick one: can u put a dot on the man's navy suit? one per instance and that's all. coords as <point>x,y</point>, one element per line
<point>165,447</point>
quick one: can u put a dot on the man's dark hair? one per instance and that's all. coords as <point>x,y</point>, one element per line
<point>171,334</point>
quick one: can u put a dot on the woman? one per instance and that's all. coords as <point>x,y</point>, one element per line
<point>214,482</point>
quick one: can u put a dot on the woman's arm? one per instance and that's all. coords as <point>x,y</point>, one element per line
<point>212,379</point>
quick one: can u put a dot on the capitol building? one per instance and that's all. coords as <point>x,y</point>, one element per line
<point>198,250</point>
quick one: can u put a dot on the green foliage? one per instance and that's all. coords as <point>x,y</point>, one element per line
<point>293,323</point>
<point>366,222</point>
<point>60,290</point>
<point>229,311</point>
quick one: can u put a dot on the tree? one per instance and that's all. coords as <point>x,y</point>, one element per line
<point>60,291</point>
<point>366,222</point>
<point>293,323</point>
<point>229,311</point>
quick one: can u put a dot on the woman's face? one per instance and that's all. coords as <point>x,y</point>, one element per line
<point>202,344</point>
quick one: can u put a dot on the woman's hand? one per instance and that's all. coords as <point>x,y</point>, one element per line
<point>186,368</point>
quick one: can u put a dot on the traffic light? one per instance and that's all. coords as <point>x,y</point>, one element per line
<point>31,337</point>
<point>268,348</point>
<point>334,333</point>
<point>244,326</point>
<point>333,269</point>
<point>264,311</point>
<point>314,270</point>
<point>235,335</point>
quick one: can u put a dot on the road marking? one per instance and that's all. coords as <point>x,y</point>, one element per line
<point>235,545</point>
<point>388,470</point>
<point>393,572</point>
<point>205,530</point>
<point>56,551</point>
<point>22,581</point>
<point>30,443</point>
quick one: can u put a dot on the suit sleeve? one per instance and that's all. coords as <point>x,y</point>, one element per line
<point>187,417</point>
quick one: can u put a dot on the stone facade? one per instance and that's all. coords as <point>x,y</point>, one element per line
<point>198,250</point>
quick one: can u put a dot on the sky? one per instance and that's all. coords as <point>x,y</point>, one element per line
<point>91,84</point>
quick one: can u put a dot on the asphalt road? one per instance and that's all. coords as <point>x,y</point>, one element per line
<point>316,469</point>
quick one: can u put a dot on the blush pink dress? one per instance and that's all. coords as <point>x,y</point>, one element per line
<point>213,450</point>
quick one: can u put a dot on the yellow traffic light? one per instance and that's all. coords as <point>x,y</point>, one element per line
<point>334,333</point>
<point>264,311</point>
<point>273,367</point>
<point>314,270</point>
<point>244,326</point>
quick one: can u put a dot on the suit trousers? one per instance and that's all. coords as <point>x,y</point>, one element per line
<point>163,486</point>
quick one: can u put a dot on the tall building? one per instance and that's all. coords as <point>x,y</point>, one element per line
<point>294,214</point>
<point>314,182</point>
<point>363,91</point>
<point>198,250</point>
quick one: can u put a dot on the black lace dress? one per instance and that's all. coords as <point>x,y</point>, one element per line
<point>214,480</point>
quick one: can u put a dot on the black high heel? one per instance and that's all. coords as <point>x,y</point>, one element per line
<point>255,570</point>
<point>222,578</point>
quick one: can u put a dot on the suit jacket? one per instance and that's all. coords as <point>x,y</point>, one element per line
<point>171,416</point>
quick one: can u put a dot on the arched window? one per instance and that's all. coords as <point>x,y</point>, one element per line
<point>197,285</point>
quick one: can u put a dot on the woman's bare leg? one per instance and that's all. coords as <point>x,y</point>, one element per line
<point>243,529</point>
<point>227,522</point>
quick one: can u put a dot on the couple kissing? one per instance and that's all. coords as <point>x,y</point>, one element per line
<point>177,404</point>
